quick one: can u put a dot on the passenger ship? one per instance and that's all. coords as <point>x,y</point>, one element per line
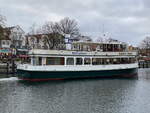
<point>110,60</point>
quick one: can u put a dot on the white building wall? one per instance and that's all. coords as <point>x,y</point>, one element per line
<point>17,37</point>
<point>5,43</point>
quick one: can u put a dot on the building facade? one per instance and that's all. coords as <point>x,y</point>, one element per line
<point>17,37</point>
<point>45,41</point>
<point>13,37</point>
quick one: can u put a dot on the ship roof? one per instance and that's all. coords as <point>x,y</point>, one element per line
<point>42,52</point>
<point>87,42</point>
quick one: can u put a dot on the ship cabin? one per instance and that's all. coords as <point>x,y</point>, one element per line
<point>61,57</point>
<point>85,53</point>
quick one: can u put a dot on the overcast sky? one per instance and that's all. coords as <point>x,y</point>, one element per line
<point>126,20</point>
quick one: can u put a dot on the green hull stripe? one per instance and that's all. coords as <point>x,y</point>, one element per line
<point>74,74</point>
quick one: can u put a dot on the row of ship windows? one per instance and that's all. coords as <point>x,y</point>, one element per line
<point>82,61</point>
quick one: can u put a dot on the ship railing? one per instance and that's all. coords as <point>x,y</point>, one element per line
<point>59,67</point>
<point>87,50</point>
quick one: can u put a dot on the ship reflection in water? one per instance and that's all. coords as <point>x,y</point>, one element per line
<point>77,96</point>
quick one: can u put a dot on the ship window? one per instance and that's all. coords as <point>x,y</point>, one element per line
<point>78,61</point>
<point>34,61</point>
<point>87,61</point>
<point>131,60</point>
<point>96,61</point>
<point>70,61</point>
<point>37,61</point>
<point>54,61</point>
<point>40,60</point>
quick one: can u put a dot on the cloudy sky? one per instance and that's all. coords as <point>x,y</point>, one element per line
<point>126,20</point>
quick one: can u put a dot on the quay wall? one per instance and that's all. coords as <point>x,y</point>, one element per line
<point>7,70</point>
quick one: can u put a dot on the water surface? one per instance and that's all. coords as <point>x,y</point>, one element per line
<point>77,96</point>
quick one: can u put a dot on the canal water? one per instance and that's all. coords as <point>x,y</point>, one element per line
<point>113,95</point>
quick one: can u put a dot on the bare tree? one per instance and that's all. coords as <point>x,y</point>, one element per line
<point>33,30</point>
<point>64,26</point>
<point>2,24</point>
<point>1,32</point>
<point>68,26</point>
<point>145,44</point>
<point>52,34</point>
<point>2,20</point>
<point>53,40</point>
<point>54,31</point>
<point>50,27</point>
<point>50,31</point>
